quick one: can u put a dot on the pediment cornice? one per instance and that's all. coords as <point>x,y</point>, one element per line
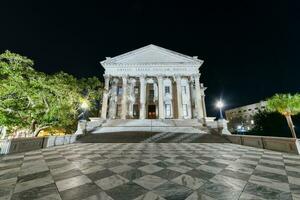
<point>152,55</point>
<point>154,64</point>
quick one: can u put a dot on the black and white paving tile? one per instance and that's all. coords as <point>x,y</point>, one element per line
<point>150,171</point>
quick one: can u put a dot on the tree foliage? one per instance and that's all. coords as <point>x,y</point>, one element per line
<point>287,105</point>
<point>269,124</point>
<point>33,100</point>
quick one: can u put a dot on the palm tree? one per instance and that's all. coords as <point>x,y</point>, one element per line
<point>287,105</point>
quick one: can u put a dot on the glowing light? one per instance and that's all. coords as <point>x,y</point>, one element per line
<point>219,104</point>
<point>85,105</point>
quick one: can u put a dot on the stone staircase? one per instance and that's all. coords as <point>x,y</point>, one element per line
<point>152,137</point>
<point>148,125</point>
<point>150,131</point>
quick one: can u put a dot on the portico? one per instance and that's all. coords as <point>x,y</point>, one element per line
<point>153,83</point>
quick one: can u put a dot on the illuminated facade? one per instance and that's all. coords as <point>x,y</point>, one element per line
<point>241,118</point>
<point>153,83</point>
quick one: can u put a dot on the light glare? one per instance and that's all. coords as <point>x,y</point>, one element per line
<point>84,105</point>
<point>220,104</point>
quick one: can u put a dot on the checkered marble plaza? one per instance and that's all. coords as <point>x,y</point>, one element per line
<point>150,171</point>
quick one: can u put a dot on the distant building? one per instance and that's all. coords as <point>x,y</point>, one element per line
<point>241,118</point>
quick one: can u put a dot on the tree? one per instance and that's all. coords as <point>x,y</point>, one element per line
<point>92,89</point>
<point>287,105</point>
<point>15,100</point>
<point>235,122</point>
<point>34,101</point>
<point>269,124</point>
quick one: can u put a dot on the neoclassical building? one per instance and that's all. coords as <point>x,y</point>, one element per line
<point>153,83</point>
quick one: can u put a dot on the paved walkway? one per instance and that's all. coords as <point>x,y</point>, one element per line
<point>149,171</point>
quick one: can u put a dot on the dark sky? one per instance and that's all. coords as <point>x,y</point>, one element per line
<point>249,48</point>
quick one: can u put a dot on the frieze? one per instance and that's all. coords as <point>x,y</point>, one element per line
<point>151,70</point>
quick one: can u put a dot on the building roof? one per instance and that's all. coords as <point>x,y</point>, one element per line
<point>152,55</point>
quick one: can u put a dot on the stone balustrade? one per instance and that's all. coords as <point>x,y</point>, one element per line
<point>18,145</point>
<point>289,145</point>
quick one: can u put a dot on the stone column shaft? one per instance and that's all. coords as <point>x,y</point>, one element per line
<point>203,105</point>
<point>198,103</point>
<point>189,110</point>
<point>179,97</point>
<point>160,98</point>
<point>124,98</point>
<point>113,99</point>
<point>142,97</point>
<point>105,97</point>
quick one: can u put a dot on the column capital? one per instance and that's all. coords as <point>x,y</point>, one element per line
<point>125,77</point>
<point>106,76</point>
<point>160,77</point>
<point>196,76</point>
<point>132,80</point>
<point>142,76</point>
<point>202,87</point>
<point>115,80</point>
<point>177,78</point>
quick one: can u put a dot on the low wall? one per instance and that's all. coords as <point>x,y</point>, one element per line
<point>17,145</point>
<point>289,145</point>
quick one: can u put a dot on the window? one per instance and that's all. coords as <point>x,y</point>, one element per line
<point>193,84</point>
<point>185,111</point>
<point>135,110</point>
<point>120,90</point>
<point>167,90</point>
<point>136,90</point>
<point>168,110</point>
<point>151,93</point>
<point>118,110</point>
<point>183,88</point>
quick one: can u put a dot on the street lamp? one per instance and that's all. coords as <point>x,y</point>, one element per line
<point>84,105</point>
<point>220,105</point>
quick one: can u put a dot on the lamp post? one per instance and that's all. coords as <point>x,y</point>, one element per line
<point>85,106</point>
<point>220,105</point>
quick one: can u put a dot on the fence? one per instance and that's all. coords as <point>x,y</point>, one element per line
<point>289,145</point>
<point>27,144</point>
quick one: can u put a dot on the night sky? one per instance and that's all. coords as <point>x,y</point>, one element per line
<point>249,48</point>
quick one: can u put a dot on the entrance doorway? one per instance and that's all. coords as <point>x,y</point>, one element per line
<point>136,111</point>
<point>151,112</point>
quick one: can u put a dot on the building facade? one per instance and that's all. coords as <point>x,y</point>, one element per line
<point>153,83</point>
<point>241,119</point>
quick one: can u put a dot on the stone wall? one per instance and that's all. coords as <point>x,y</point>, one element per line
<point>289,145</point>
<point>18,145</point>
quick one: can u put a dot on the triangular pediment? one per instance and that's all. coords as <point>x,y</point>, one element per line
<point>151,54</point>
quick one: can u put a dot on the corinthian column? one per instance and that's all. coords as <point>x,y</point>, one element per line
<point>203,99</point>
<point>142,97</point>
<point>124,98</point>
<point>113,99</point>
<point>160,98</point>
<point>179,97</point>
<point>105,97</point>
<point>198,103</point>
